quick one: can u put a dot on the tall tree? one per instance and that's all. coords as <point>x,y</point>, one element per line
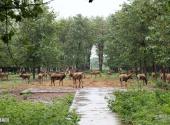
<point>100,28</point>
<point>39,41</point>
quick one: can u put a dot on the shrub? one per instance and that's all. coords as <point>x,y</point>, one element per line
<point>28,113</point>
<point>142,107</point>
<point>163,85</point>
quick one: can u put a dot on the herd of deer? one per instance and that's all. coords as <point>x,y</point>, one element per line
<point>60,76</point>
<point>126,76</point>
<point>78,76</point>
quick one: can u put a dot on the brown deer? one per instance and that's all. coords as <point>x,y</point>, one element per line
<point>25,76</point>
<point>143,78</point>
<point>95,73</point>
<point>77,76</point>
<point>168,78</point>
<point>57,76</point>
<point>40,77</point>
<point>125,78</point>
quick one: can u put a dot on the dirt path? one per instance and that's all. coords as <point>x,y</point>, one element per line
<point>91,105</point>
<point>89,82</point>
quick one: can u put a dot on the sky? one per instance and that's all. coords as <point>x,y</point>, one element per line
<point>67,8</point>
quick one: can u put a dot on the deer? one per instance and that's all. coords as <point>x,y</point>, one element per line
<point>77,76</point>
<point>57,76</point>
<point>95,73</point>
<point>125,78</point>
<point>25,76</point>
<point>143,78</point>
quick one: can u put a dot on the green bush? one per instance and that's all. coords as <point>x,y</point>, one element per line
<point>29,113</point>
<point>142,107</point>
<point>163,85</point>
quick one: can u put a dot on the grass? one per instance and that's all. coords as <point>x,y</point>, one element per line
<point>105,76</point>
<point>13,81</point>
<point>142,107</point>
<point>28,113</point>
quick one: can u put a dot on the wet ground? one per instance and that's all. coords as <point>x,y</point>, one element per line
<point>91,105</point>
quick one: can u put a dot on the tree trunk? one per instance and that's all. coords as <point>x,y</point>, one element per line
<point>140,66</point>
<point>100,54</point>
<point>154,68</point>
<point>33,69</point>
<point>88,61</point>
<point>163,71</point>
<point>33,72</point>
<point>145,67</point>
<point>39,69</point>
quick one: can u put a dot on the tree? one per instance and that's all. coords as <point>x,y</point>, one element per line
<point>39,42</point>
<point>130,30</point>
<point>100,29</point>
<point>76,39</point>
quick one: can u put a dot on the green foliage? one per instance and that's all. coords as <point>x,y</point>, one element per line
<point>163,85</point>
<point>75,36</point>
<point>17,10</point>
<point>28,113</point>
<point>138,34</point>
<point>142,107</point>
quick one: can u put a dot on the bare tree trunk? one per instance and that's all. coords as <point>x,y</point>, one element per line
<point>100,54</point>
<point>39,69</point>
<point>145,67</point>
<point>163,71</point>
<point>33,72</point>
<point>140,66</point>
<point>88,62</point>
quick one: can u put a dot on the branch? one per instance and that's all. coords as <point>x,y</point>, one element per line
<point>3,7</point>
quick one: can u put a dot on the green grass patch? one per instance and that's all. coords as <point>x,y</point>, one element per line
<point>29,113</point>
<point>12,81</point>
<point>163,85</point>
<point>105,76</point>
<point>142,107</point>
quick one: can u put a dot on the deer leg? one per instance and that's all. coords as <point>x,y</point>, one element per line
<point>73,83</point>
<point>79,83</point>
<point>76,82</point>
<point>28,81</point>
<point>121,82</point>
<point>126,84</point>
<point>53,82</point>
<point>62,82</point>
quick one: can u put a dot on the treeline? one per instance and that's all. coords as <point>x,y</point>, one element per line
<point>47,42</point>
<point>139,36</point>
